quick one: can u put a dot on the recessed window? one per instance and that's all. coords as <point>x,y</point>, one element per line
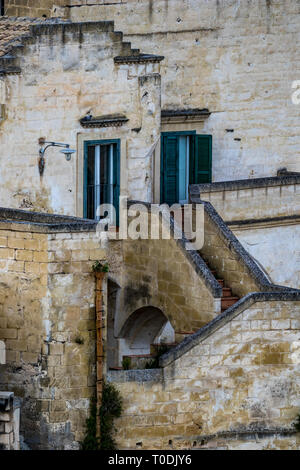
<point>102,176</point>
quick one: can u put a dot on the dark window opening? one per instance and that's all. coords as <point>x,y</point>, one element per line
<point>101,177</point>
<point>2,8</point>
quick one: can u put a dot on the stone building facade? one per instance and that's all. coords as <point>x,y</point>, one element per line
<point>211,83</point>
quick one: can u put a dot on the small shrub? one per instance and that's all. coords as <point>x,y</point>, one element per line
<point>126,363</point>
<point>98,267</point>
<point>154,363</point>
<point>111,408</point>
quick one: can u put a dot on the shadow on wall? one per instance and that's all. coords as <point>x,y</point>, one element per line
<point>145,327</point>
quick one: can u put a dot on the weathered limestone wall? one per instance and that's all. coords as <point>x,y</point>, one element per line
<point>269,198</point>
<point>276,248</point>
<point>238,388</point>
<point>37,8</point>
<point>47,321</point>
<point>67,71</point>
<point>236,58</point>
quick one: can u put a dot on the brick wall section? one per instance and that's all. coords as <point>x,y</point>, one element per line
<point>241,381</point>
<point>47,321</point>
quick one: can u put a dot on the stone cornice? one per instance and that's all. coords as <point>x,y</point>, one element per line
<point>184,115</point>
<point>266,222</point>
<point>110,120</point>
<point>138,59</point>
<point>197,189</point>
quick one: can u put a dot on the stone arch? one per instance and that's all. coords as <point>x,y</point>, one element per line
<point>145,326</point>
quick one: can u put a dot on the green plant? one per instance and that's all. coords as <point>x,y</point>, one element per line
<point>110,409</point>
<point>154,363</point>
<point>126,363</point>
<point>98,267</point>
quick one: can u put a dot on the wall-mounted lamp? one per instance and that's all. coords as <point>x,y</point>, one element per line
<point>45,144</point>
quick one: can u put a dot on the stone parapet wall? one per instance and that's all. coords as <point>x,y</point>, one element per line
<point>237,388</point>
<point>254,200</point>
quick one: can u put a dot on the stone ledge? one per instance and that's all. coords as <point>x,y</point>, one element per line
<point>286,295</point>
<point>183,115</point>
<point>136,375</point>
<point>109,120</point>
<point>21,220</point>
<point>265,222</point>
<point>195,190</point>
<point>138,59</point>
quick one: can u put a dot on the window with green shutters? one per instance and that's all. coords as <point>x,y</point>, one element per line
<point>185,159</point>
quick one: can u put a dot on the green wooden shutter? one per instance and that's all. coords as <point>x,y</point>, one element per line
<point>116,180</point>
<point>169,193</point>
<point>200,167</point>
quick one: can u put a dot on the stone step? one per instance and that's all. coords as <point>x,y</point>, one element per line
<point>227,292</point>
<point>227,302</point>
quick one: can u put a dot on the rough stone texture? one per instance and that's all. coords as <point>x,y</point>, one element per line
<point>238,388</point>
<point>65,71</point>
<point>47,322</point>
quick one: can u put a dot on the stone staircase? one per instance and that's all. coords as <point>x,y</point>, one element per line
<point>228,298</point>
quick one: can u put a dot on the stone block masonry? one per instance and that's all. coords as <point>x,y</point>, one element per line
<point>237,388</point>
<point>47,322</point>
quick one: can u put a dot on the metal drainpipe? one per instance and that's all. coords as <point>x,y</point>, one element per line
<point>99,347</point>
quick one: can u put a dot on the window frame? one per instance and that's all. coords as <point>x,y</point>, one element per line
<point>90,143</point>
